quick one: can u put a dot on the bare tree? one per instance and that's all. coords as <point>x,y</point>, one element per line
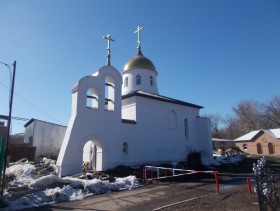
<point>232,130</point>
<point>250,115</point>
<point>272,113</point>
<point>216,122</point>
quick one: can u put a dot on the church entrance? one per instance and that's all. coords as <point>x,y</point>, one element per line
<point>92,156</point>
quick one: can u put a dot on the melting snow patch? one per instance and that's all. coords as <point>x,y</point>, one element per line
<point>70,192</point>
<point>233,159</point>
<point>46,181</point>
<point>64,189</point>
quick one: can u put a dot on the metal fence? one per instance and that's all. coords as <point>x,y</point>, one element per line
<point>155,172</point>
<point>267,184</point>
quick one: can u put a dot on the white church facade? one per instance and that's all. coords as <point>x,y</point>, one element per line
<point>120,119</point>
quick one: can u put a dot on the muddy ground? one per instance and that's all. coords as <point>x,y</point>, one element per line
<point>234,199</point>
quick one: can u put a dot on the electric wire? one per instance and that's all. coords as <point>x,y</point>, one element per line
<point>31,104</point>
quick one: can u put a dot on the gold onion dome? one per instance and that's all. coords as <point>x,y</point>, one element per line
<point>139,62</point>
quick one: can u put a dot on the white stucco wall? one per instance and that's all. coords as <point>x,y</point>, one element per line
<point>129,108</point>
<point>145,81</point>
<point>152,139</point>
<point>99,125</point>
<point>204,140</point>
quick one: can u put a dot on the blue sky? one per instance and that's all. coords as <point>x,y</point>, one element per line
<point>211,53</point>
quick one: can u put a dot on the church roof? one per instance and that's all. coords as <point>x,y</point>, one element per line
<point>160,98</point>
<point>139,62</point>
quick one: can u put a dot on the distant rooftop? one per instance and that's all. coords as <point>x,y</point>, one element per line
<point>220,139</point>
<point>249,136</point>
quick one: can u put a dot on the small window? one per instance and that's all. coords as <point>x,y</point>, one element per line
<point>125,149</point>
<point>30,140</point>
<point>151,81</point>
<point>245,146</point>
<point>126,82</point>
<point>186,124</point>
<point>172,120</point>
<point>138,80</point>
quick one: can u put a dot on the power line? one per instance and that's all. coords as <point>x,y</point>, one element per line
<point>31,104</point>
<point>19,118</point>
<point>13,117</point>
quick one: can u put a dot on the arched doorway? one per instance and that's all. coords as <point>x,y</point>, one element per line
<point>92,155</point>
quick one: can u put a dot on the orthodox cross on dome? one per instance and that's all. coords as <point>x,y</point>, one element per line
<point>139,28</point>
<point>109,38</point>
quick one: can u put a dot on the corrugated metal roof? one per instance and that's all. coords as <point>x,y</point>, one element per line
<point>220,139</point>
<point>32,120</point>
<point>251,135</point>
<point>274,132</point>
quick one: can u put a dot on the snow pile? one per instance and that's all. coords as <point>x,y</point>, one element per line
<point>76,189</point>
<point>94,185</point>
<point>24,173</point>
<point>51,188</point>
<point>125,183</point>
<point>227,159</point>
<point>45,181</point>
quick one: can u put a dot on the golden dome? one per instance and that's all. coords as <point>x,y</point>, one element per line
<point>139,62</point>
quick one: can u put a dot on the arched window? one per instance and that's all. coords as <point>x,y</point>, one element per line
<point>109,93</point>
<point>172,120</point>
<point>259,148</point>
<point>92,98</point>
<point>138,80</point>
<point>126,82</point>
<point>186,126</point>
<point>125,149</point>
<point>151,81</point>
<point>270,148</point>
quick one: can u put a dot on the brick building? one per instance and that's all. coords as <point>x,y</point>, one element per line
<point>264,142</point>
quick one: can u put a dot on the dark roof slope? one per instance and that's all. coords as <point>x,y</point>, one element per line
<point>160,98</point>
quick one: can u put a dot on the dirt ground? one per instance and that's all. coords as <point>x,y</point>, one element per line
<point>230,200</point>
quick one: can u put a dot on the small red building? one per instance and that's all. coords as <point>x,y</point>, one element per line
<point>263,142</point>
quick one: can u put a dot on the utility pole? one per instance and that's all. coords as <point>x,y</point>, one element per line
<point>8,127</point>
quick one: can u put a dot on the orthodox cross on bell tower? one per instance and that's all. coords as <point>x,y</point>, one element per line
<point>109,38</point>
<point>139,28</point>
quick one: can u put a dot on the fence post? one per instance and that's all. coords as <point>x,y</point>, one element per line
<point>260,196</point>
<point>217,182</point>
<point>144,174</point>
<point>249,186</point>
<point>2,152</point>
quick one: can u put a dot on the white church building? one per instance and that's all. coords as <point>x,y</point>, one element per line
<point>120,119</point>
